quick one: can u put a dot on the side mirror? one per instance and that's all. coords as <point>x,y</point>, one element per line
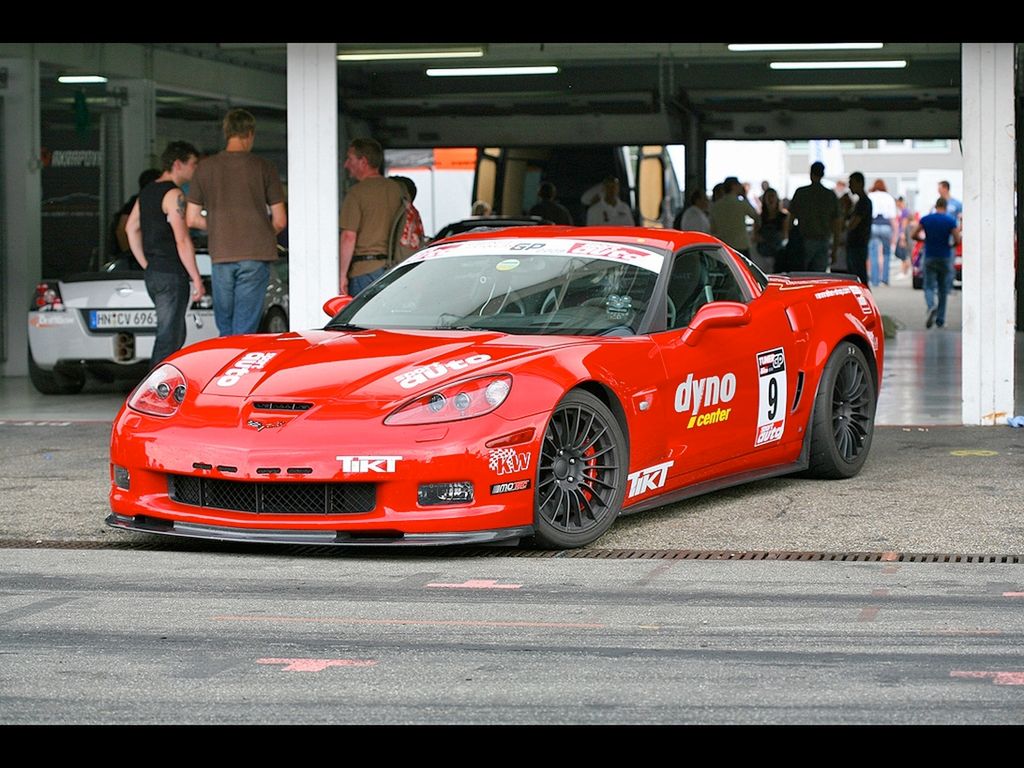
<point>717,314</point>
<point>335,305</point>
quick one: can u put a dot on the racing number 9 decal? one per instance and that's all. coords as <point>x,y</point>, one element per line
<point>771,410</point>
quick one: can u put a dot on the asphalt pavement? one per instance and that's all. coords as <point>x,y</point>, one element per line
<point>939,489</point>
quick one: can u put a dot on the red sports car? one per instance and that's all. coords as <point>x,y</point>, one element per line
<point>533,383</point>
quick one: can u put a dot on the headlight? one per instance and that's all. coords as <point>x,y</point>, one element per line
<point>160,393</point>
<point>463,400</point>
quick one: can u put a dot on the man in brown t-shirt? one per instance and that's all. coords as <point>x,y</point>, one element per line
<point>367,215</point>
<point>243,199</point>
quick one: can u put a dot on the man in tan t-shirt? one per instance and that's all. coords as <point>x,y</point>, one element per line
<point>367,215</point>
<point>243,198</point>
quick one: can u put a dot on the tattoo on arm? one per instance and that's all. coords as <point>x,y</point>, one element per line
<point>181,205</point>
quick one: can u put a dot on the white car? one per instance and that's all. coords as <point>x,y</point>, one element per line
<point>104,323</point>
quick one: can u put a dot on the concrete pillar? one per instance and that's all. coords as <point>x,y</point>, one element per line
<point>20,234</point>
<point>696,156</point>
<point>138,131</point>
<point>988,271</point>
<point>312,181</point>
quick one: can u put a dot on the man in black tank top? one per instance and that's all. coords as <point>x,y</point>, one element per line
<point>161,243</point>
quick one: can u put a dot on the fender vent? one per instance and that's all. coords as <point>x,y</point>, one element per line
<point>282,406</point>
<point>799,390</point>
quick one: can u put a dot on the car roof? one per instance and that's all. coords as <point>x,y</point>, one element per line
<point>667,239</point>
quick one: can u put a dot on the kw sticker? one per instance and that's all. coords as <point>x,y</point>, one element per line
<point>425,373</point>
<point>771,409</point>
<point>505,461</point>
<point>250,361</point>
<point>649,479</point>
<point>698,396</point>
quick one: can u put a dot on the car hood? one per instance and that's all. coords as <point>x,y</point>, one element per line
<point>381,366</point>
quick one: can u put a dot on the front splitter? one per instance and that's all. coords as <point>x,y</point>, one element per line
<point>328,538</point>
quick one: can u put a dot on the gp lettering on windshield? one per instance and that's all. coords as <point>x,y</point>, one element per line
<point>251,361</point>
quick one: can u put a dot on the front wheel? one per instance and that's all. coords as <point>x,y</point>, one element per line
<point>581,473</point>
<point>844,415</point>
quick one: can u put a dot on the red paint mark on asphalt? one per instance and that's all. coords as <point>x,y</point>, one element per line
<point>868,614</point>
<point>999,678</point>
<point>1013,594</point>
<point>316,665</point>
<point>879,592</point>
<point>477,584</point>
<point>417,622</point>
<point>890,556</point>
<point>890,569</point>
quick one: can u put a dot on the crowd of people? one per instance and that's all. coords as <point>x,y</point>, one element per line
<point>237,197</point>
<point>844,228</point>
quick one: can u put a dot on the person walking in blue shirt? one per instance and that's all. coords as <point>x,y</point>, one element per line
<point>939,231</point>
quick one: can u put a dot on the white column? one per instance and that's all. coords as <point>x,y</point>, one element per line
<point>22,193</point>
<point>138,131</point>
<point>312,181</point>
<point>987,100</point>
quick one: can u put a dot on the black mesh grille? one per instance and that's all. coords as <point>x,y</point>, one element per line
<point>282,406</point>
<point>273,497</point>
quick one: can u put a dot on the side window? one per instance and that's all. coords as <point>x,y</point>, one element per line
<point>723,281</point>
<point>699,277</point>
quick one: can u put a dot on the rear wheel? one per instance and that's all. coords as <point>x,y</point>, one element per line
<point>844,415</point>
<point>581,473</point>
<point>54,382</point>
<point>275,321</point>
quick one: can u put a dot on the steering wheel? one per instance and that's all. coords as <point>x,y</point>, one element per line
<point>670,311</point>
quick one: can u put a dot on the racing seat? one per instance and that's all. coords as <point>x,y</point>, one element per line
<point>687,288</point>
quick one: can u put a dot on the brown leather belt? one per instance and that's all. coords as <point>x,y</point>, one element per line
<point>370,257</point>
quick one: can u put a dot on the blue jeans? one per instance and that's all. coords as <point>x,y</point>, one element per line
<point>239,288</point>
<point>938,278</point>
<point>816,254</point>
<point>170,294</point>
<point>881,237</point>
<point>357,284</point>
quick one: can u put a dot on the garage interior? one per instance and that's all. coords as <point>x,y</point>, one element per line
<point>607,93</point>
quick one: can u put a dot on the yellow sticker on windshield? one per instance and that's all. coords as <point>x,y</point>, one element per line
<point>506,265</point>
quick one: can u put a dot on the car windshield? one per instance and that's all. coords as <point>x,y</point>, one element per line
<point>562,287</point>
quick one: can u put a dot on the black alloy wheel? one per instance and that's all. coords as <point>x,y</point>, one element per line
<point>581,473</point>
<point>844,415</point>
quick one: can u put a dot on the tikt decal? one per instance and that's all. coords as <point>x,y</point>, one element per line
<point>363,464</point>
<point>649,479</point>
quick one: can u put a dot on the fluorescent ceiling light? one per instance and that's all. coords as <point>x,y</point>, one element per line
<point>81,79</point>
<point>804,46</point>
<point>474,71</point>
<point>894,64</point>
<point>397,55</point>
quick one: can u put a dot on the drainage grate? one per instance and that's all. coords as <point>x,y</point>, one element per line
<point>197,545</point>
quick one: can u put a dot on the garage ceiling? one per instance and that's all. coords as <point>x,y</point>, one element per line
<point>612,92</point>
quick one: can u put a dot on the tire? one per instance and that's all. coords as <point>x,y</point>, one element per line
<point>275,321</point>
<point>844,415</point>
<point>581,473</point>
<point>54,382</point>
